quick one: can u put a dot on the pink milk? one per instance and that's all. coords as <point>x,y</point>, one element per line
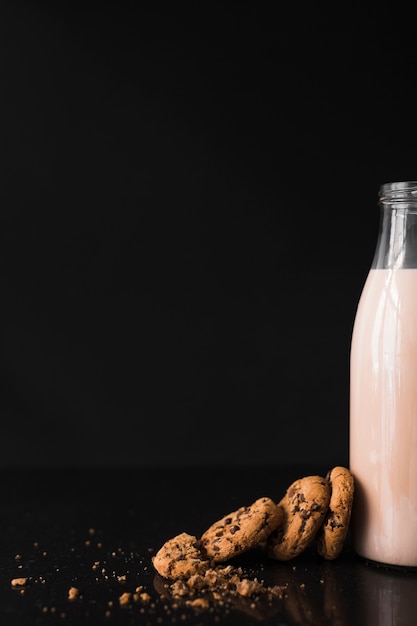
<point>383,418</point>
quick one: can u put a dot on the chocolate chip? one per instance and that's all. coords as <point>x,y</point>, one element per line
<point>316,507</point>
<point>334,524</point>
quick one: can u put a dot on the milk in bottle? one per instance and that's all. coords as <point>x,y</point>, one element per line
<point>383,389</point>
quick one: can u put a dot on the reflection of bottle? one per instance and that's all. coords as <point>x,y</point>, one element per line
<point>336,600</point>
<point>383,393</point>
<point>384,597</point>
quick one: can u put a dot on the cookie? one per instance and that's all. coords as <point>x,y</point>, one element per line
<point>180,557</point>
<point>241,530</point>
<point>305,505</point>
<point>332,534</point>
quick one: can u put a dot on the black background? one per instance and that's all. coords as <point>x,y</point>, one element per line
<point>188,214</point>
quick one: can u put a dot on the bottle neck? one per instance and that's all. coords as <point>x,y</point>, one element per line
<point>397,238</point>
<point>398,193</point>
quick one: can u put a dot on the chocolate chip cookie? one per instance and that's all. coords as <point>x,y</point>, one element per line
<point>333,532</point>
<point>241,530</point>
<point>180,557</point>
<point>305,505</point>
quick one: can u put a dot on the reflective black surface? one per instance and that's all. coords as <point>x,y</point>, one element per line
<point>96,530</point>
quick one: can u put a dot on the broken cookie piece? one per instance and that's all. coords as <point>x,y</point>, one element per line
<point>180,557</point>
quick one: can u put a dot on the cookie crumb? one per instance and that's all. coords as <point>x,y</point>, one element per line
<point>73,593</point>
<point>199,603</point>
<point>125,598</point>
<point>144,597</point>
<point>19,582</point>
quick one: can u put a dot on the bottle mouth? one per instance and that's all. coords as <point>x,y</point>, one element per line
<point>403,191</point>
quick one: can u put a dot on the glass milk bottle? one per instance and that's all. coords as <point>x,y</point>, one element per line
<point>383,389</point>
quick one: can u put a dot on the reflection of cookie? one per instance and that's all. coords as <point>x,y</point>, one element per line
<point>303,606</point>
<point>332,534</point>
<point>305,505</point>
<point>180,557</point>
<point>241,530</point>
<point>335,600</point>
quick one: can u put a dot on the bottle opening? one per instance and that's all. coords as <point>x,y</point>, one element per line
<point>404,191</point>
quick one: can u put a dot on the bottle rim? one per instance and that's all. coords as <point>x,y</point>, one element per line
<point>398,191</point>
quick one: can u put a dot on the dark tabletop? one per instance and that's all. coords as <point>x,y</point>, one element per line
<point>96,530</point>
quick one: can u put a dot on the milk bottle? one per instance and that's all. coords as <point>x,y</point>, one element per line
<point>383,389</point>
